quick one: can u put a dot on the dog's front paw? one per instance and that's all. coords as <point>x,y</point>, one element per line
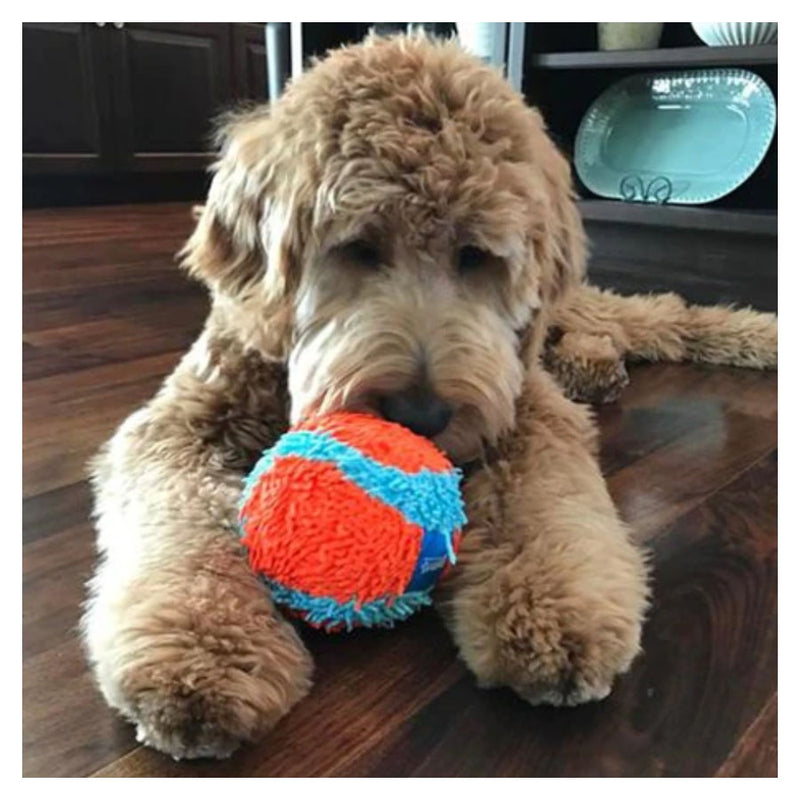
<point>554,642</point>
<point>201,666</point>
<point>563,651</point>
<point>204,696</point>
<point>203,715</point>
<point>588,368</point>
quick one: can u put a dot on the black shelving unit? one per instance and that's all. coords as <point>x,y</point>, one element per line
<point>724,251</point>
<point>661,57</point>
<point>700,218</point>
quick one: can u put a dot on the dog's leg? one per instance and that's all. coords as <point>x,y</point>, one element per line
<point>663,327</point>
<point>549,593</point>
<point>593,332</point>
<point>183,639</point>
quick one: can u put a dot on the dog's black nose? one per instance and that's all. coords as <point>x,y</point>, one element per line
<point>419,410</point>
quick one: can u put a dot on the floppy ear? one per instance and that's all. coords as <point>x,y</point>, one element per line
<point>560,241</point>
<point>566,239</point>
<point>247,239</point>
<point>557,239</point>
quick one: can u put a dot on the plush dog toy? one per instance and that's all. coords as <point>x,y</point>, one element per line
<point>351,520</point>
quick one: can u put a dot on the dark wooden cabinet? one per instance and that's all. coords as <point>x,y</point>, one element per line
<point>126,98</point>
<point>66,99</point>
<point>169,81</point>
<point>249,62</point>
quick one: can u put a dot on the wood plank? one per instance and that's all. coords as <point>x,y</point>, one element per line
<point>67,728</point>
<point>55,570</point>
<point>52,512</point>
<point>46,361</point>
<point>683,387</point>
<point>67,417</point>
<point>756,754</point>
<point>141,302</point>
<point>51,226</point>
<point>667,401</point>
<point>127,337</point>
<point>657,489</point>
<point>76,266</point>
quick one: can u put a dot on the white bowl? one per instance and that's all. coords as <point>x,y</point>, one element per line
<point>736,33</point>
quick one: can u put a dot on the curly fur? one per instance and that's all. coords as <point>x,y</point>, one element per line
<point>594,331</point>
<point>331,242</point>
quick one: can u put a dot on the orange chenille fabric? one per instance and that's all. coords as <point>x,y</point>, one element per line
<point>326,536</point>
<point>368,434</point>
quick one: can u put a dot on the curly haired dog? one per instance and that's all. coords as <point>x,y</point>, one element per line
<point>396,235</point>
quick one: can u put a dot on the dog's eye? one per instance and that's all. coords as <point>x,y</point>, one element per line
<point>472,259</point>
<point>363,253</point>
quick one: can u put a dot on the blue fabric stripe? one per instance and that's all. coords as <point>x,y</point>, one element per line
<point>433,554</point>
<point>329,613</point>
<point>429,499</point>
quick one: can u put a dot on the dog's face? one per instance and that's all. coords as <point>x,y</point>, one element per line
<point>401,216</point>
<point>421,330</point>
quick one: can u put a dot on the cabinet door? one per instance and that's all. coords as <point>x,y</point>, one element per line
<point>66,119</point>
<point>170,81</point>
<point>249,61</point>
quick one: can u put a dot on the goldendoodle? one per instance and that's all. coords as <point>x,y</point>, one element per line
<point>396,235</point>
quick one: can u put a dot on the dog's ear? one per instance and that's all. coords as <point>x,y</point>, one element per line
<point>561,244</point>
<point>247,239</point>
<point>568,240</point>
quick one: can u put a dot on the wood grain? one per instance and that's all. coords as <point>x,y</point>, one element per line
<point>690,455</point>
<point>757,751</point>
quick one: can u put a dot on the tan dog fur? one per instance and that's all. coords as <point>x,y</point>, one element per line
<point>421,151</point>
<point>593,332</point>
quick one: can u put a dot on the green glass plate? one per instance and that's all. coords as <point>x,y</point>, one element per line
<point>676,137</point>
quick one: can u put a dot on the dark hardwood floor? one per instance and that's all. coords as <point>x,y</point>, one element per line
<point>691,459</point>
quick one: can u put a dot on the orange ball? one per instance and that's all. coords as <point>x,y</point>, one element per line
<point>350,520</point>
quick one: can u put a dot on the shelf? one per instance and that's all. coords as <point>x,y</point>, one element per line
<point>752,223</point>
<point>664,57</point>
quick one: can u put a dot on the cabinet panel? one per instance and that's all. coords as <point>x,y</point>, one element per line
<point>65,98</point>
<point>249,61</point>
<point>170,81</point>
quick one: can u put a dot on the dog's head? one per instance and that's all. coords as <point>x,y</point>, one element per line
<point>394,227</point>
